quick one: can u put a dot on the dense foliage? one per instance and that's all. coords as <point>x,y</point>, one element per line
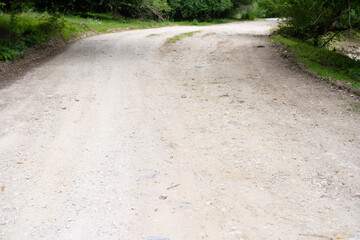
<point>145,9</point>
<point>198,9</point>
<point>311,19</point>
<point>18,33</point>
<point>129,8</point>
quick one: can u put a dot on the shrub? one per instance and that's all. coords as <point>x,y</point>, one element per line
<point>259,11</point>
<point>245,15</point>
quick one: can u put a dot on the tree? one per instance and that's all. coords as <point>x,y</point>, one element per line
<point>145,9</point>
<point>149,9</point>
<point>238,3</point>
<point>198,9</point>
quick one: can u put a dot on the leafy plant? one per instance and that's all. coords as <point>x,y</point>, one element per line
<point>259,11</point>
<point>7,53</point>
<point>247,16</point>
<point>2,5</point>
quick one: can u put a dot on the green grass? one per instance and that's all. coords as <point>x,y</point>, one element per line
<point>152,35</point>
<point>323,62</point>
<point>208,34</point>
<point>38,28</point>
<point>181,36</point>
<point>103,25</point>
<point>354,107</point>
<point>75,23</point>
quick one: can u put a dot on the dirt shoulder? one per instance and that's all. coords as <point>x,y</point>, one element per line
<point>40,54</point>
<point>33,57</point>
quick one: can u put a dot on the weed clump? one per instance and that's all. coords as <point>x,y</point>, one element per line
<point>181,36</point>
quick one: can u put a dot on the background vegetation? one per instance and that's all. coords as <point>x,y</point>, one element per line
<point>143,9</point>
<point>312,20</point>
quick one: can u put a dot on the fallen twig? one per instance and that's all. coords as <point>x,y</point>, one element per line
<point>174,186</point>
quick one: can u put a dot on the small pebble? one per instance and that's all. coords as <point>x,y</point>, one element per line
<point>163,197</point>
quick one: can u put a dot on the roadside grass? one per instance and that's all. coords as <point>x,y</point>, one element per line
<point>76,24</point>
<point>152,35</point>
<point>208,34</point>
<point>323,62</point>
<point>354,107</point>
<point>31,29</point>
<point>181,36</point>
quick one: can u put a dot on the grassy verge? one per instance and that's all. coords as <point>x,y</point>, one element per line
<point>181,36</point>
<point>75,24</point>
<point>37,29</point>
<point>323,62</point>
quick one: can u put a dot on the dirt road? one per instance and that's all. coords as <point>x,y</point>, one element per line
<point>124,136</point>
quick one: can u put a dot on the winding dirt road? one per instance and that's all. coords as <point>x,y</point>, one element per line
<point>125,136</point>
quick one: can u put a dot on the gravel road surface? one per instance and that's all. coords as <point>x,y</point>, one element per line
<point>125,136</point>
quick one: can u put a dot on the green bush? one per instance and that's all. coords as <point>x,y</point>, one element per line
<point>247,15</point>
<point>259,11</point>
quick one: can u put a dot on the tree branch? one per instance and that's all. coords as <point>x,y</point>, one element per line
<point>332,37</point>
<point>349,14</point>
<point>155,13</point>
